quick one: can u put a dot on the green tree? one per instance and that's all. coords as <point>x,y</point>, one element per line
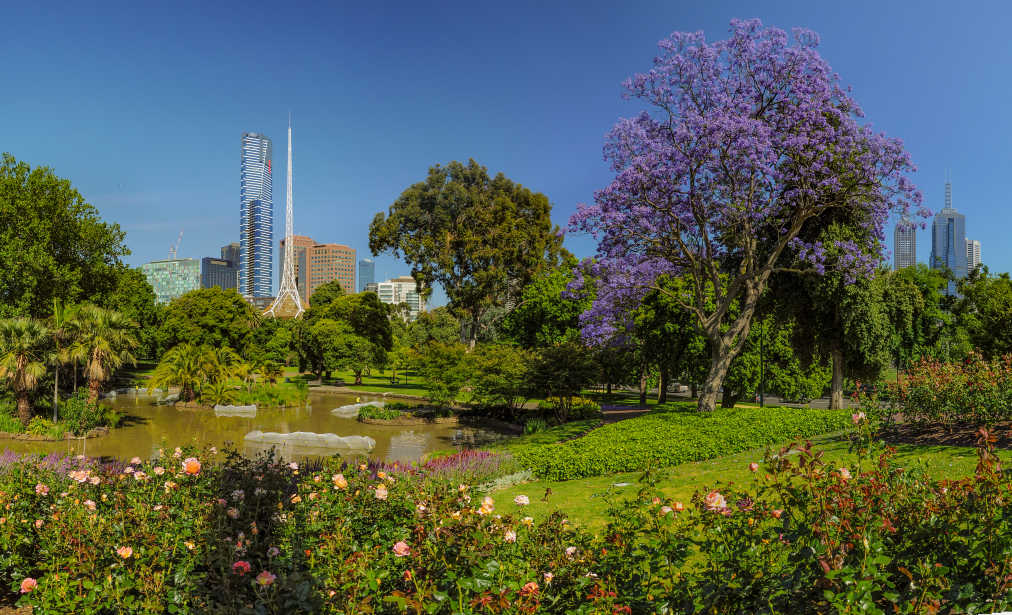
<point>483,239</point>
<point>61,328</point>
<point>562,371</point>
<point>325,294</point>
<point>444,370</point>
<point>104,340</point>
<point>985,311</point>
<point>209,316</point>
<point>334,345</point>
<point>367,318</point>
<point>438,325</point>
<point>133,297</point>
<point>53,245</point>
<point>547,314</point>
<point>499,376</point>
<point>24,346</point>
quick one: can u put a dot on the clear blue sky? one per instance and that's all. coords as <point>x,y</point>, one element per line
<point>142,108</point>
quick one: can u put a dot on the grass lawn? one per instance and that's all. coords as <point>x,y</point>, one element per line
<point>379,382</point>
<point>586,501</point>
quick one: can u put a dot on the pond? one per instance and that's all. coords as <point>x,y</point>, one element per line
<point>149,426</point>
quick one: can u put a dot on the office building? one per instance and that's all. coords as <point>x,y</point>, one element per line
<point>905,244</point>
<point>230,253</point>
<point>371,287</point>
<point>402,290</point>
<point>948,241</point>
<point>171,278</point>
<point>972,254</point>
<point>256,226</point>
<point>366,273</point>
<point>218,272</point>
<point>319,263</point>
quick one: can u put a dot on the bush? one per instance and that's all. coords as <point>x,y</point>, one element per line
<point>399,405</point>
<point>499,379</point>
<point>272,396</point>
<point>444,370</point>
<point>671,438</point>
<point>378,413</point>
<point>580,409</point>
<point>562,371</point>
<point>9,422</point>
<point>80,415</point>
<point>40,426</point>
<point>977,391</point>
<point>535,425</point>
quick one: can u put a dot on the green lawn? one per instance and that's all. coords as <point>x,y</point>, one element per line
<point>585,501</point>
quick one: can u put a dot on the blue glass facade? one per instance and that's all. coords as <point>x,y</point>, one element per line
<point>948,241</point>
<point>256,230</point>
<point>366,273</point>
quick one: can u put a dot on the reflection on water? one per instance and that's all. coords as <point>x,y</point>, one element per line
<point>148,427</point>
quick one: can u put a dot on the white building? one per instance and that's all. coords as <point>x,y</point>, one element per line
<point>402,290</point>
<point>972,254</point>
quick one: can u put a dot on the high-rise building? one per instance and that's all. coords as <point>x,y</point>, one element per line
<point>402,290</point>
<point>948,241</point>
<point>366,273</point>
<point>256,227</point>
<point>905,244</point>
<point>173,277</point>
<point>972,254</point>
<point>319,263</point>
<point>218,272</point>
<point>230,253</point>
<point>372,287</point>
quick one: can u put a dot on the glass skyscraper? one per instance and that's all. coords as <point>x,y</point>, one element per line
<point>905,244</point>
<point>366,273</point>
<point>948,241</point>
<point>256,227</point>
<point>173,277</point>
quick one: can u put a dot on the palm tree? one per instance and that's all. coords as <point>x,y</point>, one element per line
<point>24,343</point>
<point>218,393</point>
<point>62,327</point>
<point>244,371</point>
<point>187,366</point>
<point>270,371</point>
<point>104,341</point>
<point>224,361</point>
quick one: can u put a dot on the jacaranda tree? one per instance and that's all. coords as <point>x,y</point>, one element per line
<point>749,139</point>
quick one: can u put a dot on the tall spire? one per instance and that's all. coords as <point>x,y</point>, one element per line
<point>288,304</point>
<point>948,189</point>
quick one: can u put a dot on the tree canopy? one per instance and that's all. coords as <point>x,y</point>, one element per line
<point>208,316</point>
<point>53,244</point>
<point>750,138</point>
<point>483,239</point>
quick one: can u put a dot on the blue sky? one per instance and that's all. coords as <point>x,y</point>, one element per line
<point>142,107</point>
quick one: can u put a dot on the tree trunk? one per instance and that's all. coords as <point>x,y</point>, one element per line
<point>643,385</point>
<point>729,398</point>
<point>836,388</point>
<point>662,386</point>
<point>56,393</point>
<point>24,408</point>
<point>693,390</point>
<point>609,387</point>
<point>358,377</point>
<point>94,388</point>
<point>75,375</point>
<point>720,359</point>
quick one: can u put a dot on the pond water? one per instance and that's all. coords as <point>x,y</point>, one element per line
<point>149,426</point>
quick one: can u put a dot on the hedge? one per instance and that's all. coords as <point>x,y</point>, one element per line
<point>674,436</point>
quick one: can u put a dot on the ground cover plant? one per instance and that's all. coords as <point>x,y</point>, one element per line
<point>378,412</point>
<point>669,438</point>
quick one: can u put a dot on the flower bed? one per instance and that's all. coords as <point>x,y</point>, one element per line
<point>181,534</point>
<point>669,438</point>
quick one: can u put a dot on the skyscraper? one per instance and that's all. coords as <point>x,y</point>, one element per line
<point>366,273</point>
<point>905,244</point>
<point>230,253</point>
<point>948,241</point>
<point>217,272</point>
<point>972,254</point>
<point>172,277</point>
<point>256,227</point>
<point>402,290</point>
<point>316,264</point>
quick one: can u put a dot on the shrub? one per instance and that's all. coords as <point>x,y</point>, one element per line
<point>671,438</point>
<point>499,379</point>
<point>40,426</point>
<point>562,371</point>
<point>444,370</point>
<point>977,391</point>
<point>8,421</point>
<point>535,425</point>
<point>80,415</point>
<point>399,405</point>
<point>580,409</point>
<point>379,413</point>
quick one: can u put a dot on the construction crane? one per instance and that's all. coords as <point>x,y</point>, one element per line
<point>173,250</point>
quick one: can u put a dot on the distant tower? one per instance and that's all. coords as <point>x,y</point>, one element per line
<point>256,226</point>
<point>972,254</point>
<point>287,304</point>
<point>366,273</point>
<point>905,244</point>
<point>948,240</point>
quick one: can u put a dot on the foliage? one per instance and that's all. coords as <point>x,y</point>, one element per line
<point>562,371</point>
<point>580,409</point>
<point>977,391</point>
<point>325,294</point>
<point>498,378</point>
<point>80,415</point>
<point>671,438</point>
<point>482,239</point>
<point>332,345</point>
<point>716,184</point>
<point>547,314</point>
<point>383,413</point>
<point>985,312</point>
<point>273,396</point>
<point>24,343</point>
<point>438,325</point>
<point>53,245</point>
<point>535,425</point>
<point>187,366</point>
<point>444,371</point>
<point>208,316</point>
<point>133,297</point>
<point>41,426</point>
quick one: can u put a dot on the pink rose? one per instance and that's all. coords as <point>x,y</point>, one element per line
<point>753,467</point>
<point>28,584</point>
<point>401,549</point>
<point>714,501</point>
<point>857,418</point>
<point>241,567</point>
<point>124,552</point>
<point>265,578</point>
<point>41,489</point>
